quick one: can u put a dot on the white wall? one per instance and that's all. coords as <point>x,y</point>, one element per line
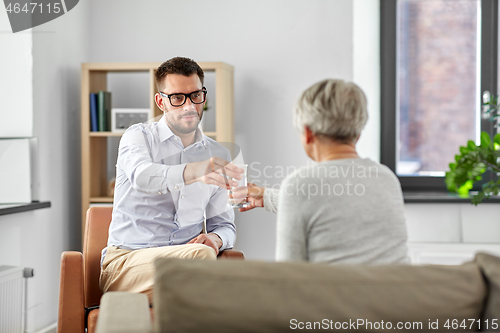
<point>16,91</point>
<point>451,233</point>
<point>37,238</point>
<point>366,71</point>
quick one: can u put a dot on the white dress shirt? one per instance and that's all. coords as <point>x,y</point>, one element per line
<point>152,205</point>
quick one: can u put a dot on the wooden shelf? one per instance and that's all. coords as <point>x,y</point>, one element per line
<point>145,66</point>
<point>101,199</point>
<point>104,134</point>
<point>95,182</point>
<point>213,135</point>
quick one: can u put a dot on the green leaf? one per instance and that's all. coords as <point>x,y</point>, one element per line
<point>485,139</point>
<point>478,198</point>
<point>463,150</point>
<point>471,145</point>
<point>497,139</point>
<point>451,181</point>
<point>465,188</point>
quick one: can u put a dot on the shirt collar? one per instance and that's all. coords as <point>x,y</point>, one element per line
<point>166,133</point>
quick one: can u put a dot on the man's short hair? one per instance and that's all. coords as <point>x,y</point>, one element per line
<point>332,108</point>
<point>178,65</point>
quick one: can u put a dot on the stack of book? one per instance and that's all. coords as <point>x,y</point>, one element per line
<point>100,111</point>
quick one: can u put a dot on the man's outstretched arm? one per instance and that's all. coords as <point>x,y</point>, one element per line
<point>134,158</point>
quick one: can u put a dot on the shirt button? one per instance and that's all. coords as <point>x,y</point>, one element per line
<point>182,197</point>
<point>160,192</point>
<point>176,187</point>
<point>184,150</point>
<point>173,236</point>
<point>177,219</point>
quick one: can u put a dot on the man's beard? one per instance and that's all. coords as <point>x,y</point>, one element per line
<point>183,128</point>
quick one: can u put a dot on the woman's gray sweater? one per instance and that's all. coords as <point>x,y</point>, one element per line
<point>347,211</point>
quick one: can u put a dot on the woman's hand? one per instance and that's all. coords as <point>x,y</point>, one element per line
<point>254,196</point>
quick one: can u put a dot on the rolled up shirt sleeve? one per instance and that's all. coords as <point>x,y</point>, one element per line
<point>134,158</point>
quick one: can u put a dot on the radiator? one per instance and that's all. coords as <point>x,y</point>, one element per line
<point>11,299</point>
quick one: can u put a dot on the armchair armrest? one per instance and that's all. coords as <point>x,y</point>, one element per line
<point>71,316</point>
<point>124,312</point>
<point>231,254</point>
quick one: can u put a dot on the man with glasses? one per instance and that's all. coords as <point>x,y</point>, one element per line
<point>169,179</point>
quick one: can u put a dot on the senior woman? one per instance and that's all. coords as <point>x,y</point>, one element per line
<point>343,208</point>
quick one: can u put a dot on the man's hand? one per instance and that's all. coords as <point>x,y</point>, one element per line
<point>210,239</point>
<point>213,171</point>
<point>254,195</point>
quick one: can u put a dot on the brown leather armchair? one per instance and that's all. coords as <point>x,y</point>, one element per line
<point>79,292</point>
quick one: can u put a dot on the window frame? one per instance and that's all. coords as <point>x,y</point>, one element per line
<point>388,89</point>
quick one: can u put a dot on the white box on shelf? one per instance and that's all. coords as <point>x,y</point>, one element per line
<point>19,181</point>
<point>121,119</point>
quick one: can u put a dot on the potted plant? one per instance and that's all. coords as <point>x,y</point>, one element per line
<point>473,161</point>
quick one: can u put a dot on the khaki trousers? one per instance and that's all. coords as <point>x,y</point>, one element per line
<point>134,271</point>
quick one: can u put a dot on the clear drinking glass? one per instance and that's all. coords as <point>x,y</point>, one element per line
<point>240,202</point>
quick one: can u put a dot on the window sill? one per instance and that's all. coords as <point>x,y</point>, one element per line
<point>18,208</point>
<point>441,197</point>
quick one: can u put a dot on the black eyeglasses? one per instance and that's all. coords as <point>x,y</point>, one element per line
<point>196,97</point>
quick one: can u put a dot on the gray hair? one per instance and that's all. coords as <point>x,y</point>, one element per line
<point>332,108</point>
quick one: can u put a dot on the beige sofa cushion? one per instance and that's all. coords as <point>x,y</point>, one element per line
<point>490,266</point>
<point>124,312</point>
<point>245,296</point>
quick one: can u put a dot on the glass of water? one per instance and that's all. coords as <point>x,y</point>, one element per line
<point>240,202</point>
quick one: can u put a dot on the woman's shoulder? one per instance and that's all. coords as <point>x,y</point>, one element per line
<point>299,174</point>
<point>361,169</point>
<point>358,166</point>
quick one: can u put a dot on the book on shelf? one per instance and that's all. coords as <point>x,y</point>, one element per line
<point>104,110</point>
<point>93,112</point>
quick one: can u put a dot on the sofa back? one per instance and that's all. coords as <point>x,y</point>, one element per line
<point>246,296</point>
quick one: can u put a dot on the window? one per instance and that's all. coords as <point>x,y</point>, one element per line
<point>437,57</point>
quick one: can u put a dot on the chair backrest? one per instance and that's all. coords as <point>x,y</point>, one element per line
<point>96,238</point>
